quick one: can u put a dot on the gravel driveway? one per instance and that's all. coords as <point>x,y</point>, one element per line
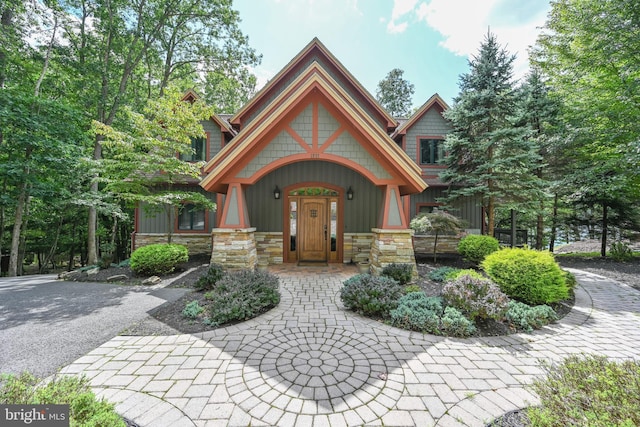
<point>46,323</point>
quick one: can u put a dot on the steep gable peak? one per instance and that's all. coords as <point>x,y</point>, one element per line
<point>435,101</point>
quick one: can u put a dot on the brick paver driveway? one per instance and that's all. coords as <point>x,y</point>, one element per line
<point>309,363</point>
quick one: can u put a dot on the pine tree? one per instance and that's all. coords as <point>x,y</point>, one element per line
<point>488,155</point>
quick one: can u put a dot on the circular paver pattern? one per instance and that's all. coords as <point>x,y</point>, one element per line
<point>318,370</point>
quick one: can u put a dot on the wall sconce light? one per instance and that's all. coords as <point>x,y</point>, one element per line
<point>276,193</point>
<point>349,194</point>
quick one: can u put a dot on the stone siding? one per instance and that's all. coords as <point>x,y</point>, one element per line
<point>423,244</point>
<point>357,247</point>
<point>269,247</point>
<point>234,248</point>
<point>392,246</point>
<point>197,243</point>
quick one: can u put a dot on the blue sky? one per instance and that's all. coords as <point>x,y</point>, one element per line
<point>431,40</point>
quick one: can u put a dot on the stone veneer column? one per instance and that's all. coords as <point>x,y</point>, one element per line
<point>392,245</point>
<point>234,247</point>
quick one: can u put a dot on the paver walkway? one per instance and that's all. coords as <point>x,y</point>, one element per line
<point>309,362</point>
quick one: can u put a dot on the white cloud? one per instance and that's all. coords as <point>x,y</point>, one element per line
<point>464,24</point>
<point>400,9</point>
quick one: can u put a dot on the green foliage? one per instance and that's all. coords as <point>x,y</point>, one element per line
<point>437,222</point>
<point>466,272</point>
<point>158,259</point>
<point>84,408</point>
<point>210,278</point>
<point>476,297</point>
<point>440,274</point>
<point>417,312</point>
<point>242,295</point>
<point>588,391</point>
<point>526,318</point>
<point>570,279</point>
<point>192,310</point>
<point>371,295</point>
<point>394,93</point>
<point>412,288</point>
<point>530,276</point>
<point>454,323</point>
<point>474,248</point>
<point>620,252</point>
<point>401,273</point>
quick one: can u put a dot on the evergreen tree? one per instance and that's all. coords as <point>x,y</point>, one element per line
<point>394,93</point>
<point>488,155</point>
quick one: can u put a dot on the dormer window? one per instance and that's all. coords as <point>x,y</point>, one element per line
<point>431,151</point>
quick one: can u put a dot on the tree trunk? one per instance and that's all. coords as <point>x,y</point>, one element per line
<point>17,228</point>
<point>554,223</point>
<point>491,216</point>
<point>540,227</point>
<point>603,246</point>
<point>6,21</point>
<point>435,247</point>
<point>54,247</point>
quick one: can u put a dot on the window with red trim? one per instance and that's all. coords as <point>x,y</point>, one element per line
<point>431,151</point>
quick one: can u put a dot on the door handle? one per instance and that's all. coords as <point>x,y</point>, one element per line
<point>325,232</point>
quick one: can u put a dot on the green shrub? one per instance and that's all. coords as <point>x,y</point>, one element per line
<point>466,272</point>
<point>371,295</point>
<point>440,274</point>
<point>527,275</point>
<point>570,279</point>
<point>588,391</point>
<point>401,273</point>
<point>158,259</point>
<point>454,323</point>
<point>526,318</point>
<point>242,295</point>
<point>474,248</point>
<point>210,278</point>
<point>476,297</point>
<point>417,312</point>
<point>620,252</point>
<point>192,310</point>
<point>84,408</point>
<point>412,288</point>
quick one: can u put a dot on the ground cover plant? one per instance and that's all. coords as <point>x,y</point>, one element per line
<point>85,409</point>
<point>588,391</point>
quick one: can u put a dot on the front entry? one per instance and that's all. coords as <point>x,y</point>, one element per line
<point>313,223</point>
<point>313,226</point>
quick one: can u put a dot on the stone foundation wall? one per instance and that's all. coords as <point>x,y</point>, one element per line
<point>234,248</point>
<point>197,243</point>
<point>357,247</point>
<point>423,244</point>
<point>269,247</point>
<point>392,246</point>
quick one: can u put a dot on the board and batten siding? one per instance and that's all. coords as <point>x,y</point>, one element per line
<point>467,208</point>
<point>360,214</point>
<point>157,222</point>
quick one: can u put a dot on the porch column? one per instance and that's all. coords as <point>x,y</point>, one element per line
<point>392,240</point>
<point>233,243</point>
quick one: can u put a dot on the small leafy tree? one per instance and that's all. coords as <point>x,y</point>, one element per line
<point>394,93</point>
<point>438,222</point>
<point>143,163</point>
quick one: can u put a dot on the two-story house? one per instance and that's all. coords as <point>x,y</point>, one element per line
<point>313,170</point>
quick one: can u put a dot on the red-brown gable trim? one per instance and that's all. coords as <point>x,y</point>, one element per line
<point>434,102</point>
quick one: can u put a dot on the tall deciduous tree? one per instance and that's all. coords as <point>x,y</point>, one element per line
<point>489,155</point>
<point>394,93</point>
<point>589,50</point>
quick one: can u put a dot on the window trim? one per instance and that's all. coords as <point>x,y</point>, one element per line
<point>207,149</point>
<point>419,151</point>
<point>178,230</point>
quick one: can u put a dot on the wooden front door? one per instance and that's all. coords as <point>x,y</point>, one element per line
<point>312,229</point>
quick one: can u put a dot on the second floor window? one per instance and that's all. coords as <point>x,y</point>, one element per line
<point>431,151</point>
<point>199,153</point>
<point>191,218</point>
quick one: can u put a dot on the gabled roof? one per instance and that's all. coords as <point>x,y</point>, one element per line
<point>434,102</point>
<point>313,81</point>
<point>191,95</point>
<point>315,47</point>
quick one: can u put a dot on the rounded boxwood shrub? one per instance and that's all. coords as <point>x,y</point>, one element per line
<point>371,295</point>
<point>527,275</point>
<point>242,295</point>
<point>401,273</point>
<point>158,259</point>
<point>474,248</point>
<point>476,297</point>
